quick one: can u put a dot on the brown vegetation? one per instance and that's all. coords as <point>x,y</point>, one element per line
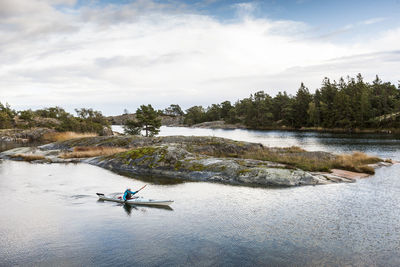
<point>63,136</point>
<point>309,161</point>
<point>28,157</point>
<point>92,151</point>
<point>357,162</point>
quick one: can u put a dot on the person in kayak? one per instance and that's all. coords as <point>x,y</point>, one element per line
<point>128,194</point>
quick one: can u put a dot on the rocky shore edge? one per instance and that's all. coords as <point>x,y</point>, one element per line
<point>187,158</point>
<point>228,126</point>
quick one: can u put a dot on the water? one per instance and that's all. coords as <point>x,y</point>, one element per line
<point>50,215</point>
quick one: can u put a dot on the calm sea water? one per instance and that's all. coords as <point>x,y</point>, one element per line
<point>50,214</point>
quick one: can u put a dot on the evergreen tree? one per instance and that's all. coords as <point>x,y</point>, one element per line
<point>147,119</point>
<point>213,113</point>
<point>174,110</point>
<point>132,127</point>
<point>195,114</point>
<point>279,108</point>
<point>261,110</point>
<point>301,106</point>
<point>327,96</point>
<point>226,108</point>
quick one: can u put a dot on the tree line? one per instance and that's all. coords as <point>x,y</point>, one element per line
<point>346,104</point>
<point>86,120</point>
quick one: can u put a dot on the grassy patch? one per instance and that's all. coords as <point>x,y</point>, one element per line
<point>293,149</point>
<point>296,157</point>
<point>63,136</point>
<point>91,151</point>
<point>302,161</point>
<point>28,157</point>
<point>357,162</point>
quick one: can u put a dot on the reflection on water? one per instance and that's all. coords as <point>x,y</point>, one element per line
<point>128,209</point>
<point>50,215</point>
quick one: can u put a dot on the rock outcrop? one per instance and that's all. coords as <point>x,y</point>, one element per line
<point>24,136</point>
<point>184,158</point>
<point>174,161</point>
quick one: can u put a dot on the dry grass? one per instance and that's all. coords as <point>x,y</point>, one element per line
<point>28,157</point>
<point>357,162</point>
<point>296,157</point>
<point>92,151</point>
<point>55,137</point>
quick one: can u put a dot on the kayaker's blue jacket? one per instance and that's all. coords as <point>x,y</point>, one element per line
<point>128,194</point>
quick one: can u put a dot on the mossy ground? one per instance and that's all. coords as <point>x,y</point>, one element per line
<point>196,167</point>
<point>137,153</point>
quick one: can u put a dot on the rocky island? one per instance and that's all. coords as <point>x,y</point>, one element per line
<point>210,159</point>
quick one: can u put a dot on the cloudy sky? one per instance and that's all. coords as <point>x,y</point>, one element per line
<point>117,54</point>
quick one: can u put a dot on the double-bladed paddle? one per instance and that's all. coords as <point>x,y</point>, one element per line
<point>141,188</point>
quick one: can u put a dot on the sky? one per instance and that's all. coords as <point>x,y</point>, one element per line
<point>112,55</point>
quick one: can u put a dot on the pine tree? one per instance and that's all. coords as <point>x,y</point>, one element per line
<point>301,106</point>
<point>174,110</point>
<point>147,119</point>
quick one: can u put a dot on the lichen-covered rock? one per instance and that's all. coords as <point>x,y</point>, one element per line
<point>175,162</point>
<point>186,158</point>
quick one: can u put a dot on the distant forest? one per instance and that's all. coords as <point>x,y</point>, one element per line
<point>345,104</point>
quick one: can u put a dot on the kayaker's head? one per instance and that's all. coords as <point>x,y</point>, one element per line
<point>128,189</point>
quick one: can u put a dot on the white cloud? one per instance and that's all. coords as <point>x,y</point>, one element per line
<point>245,9</point>
<point>113,58</point>
<point>62,2</point>
<point>373,20</point>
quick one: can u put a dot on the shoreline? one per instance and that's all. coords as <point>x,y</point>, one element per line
<point>219,125</point>
<point>208,159</point>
